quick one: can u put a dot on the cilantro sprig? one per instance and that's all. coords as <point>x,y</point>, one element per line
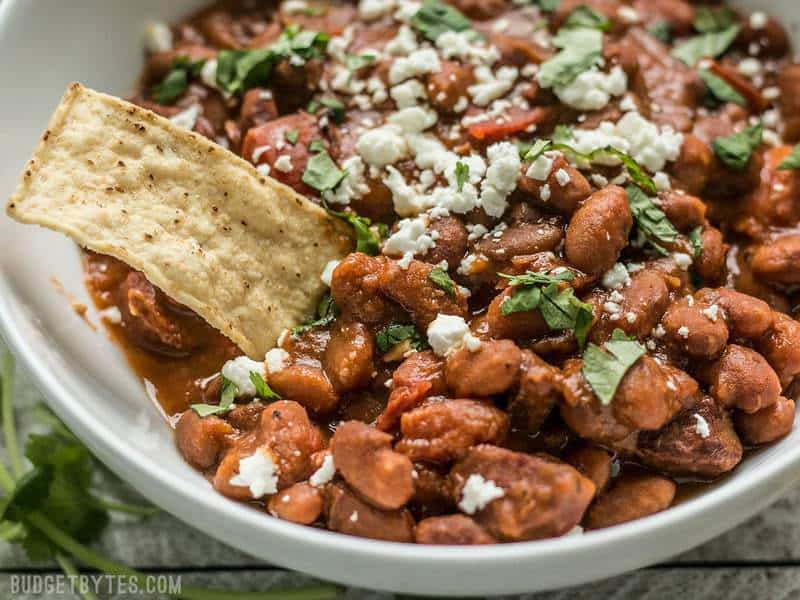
<point>229,392</point>
<point>560,308</point>
<point>396,333</point>
<point>651,220</point>
<point>581,48</point>
<point>585,16</point>
<point>792,161</point>
<point>321,172</point>
<point>51,510</point>
<point>442,280</point>
<point>604,368</point>
<point>735,150</point>
<point>368,236</point>
<point>435,18</point>
<point>176,80</point>
<point>706,45</point>
<point>326,313</point>
<point>718,90</point>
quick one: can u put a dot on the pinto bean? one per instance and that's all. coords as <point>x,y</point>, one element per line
<point>644,399</point>
<point>771,39</point>
<point>447,86</point>
<point>781,347</point>
<point>748,318</point>
<point>306,384</point>
<point>518,240</point>
<point>694,166</point>
<point>491,369</point>
<point>774,202</point>
<point>452,530</point>
<point>679,14</point>
<point>584,414</point>
<point>539,390</point>
<point>598,231</point>
<point>442,431</point>
<point>258,107</point>
<point>789,101</point>
<point>451,244</point>
<point>542,498</point>
<point>642,303</point>
<point>300,503</point>
<point>355,287</point>
<point>432,493</point>
<point>480,10</point>
<point>563,199</point>
<point>349,514</point>
<point>766,425</point>
<point>519,325</point>
<point>741,378</point>
<point>699,442</point>
<point>777,261</point>
<point>245,417</point>
<point>684,211</point>
<point>418,376</point>
<point>412,289</point>
<point>348,359</point>
<point>710,265</point>
<point>364,457</point>
<point>272,135</point>
<point>593,462</point>
<point>693,328</point>
<point>221,29</point>
<point>631,497</point>
<point>201,440</point>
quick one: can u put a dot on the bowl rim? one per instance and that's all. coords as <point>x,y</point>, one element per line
<point>776,474</point>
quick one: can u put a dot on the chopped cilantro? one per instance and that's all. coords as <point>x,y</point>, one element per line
<point>604,368</point>
<point>581,49</point>
<point>792,161</point>
<point>326,313</point>
<point>292,135</point>
<point>548,5</point>
<point>335,107</point>
<point>710,19</point>
<point>228,395</point>
<point>442,279</point>
<point>262,388</point>
<point>396,333</point>
<point>317,146</point>
<point>662,31</point>
<point>354,62</point>
<point>706,45</point>
<point>538,148</point>
<point>177,80</point>
<point>718,90</point>
<point>735,150</point>
<point>435,18</point>
<point>367,239</point>
<point>585,16</point>
<point>321,172</point>
<point>651,220</point>
<point>462,175</point>
<point>696,238</point>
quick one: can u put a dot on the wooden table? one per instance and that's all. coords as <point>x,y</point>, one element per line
<point>760,559</point>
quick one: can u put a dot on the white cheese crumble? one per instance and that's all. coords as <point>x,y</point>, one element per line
<point>712,312</point>
<point>369,10</point>
<point>446,333</point>
<point>327,272</point>
<point>662,181</point>
<point>758,20</point>
<point>593,89</point>
<point>294,7</point>
<point>683,331</point>
<point>187,118</point>
<point>157,37</point>
<point>284,163</point>
<point>682,260</point>
<point>238,370</point>
<point>413,119</point>
<point>544,192</point>
<point>408,93</point>
<point>277,360</point>
<point>404,43</point>
<point>325,473</point>
<point>418,62</point>
<point>257,472</point>
<point>353,186</point>
<point>382,146</point>
<point>628,15</point>
<point>701,426</point>
<point>540,168</point>
<point>478,493</point>
<point>263,169</point>
<point>562,177</point>
<point>501,177</point>
<point>616,277</point>
<point>111,314</point>
<point>750,67</point>
<point>412,237</point>
<point>492,86</point>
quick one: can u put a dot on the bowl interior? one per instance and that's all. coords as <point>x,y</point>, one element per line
<point>87,381</point>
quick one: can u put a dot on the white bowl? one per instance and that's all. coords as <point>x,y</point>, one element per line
<point>85,378</point>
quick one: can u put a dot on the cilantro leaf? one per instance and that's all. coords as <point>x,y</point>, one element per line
<point>634,169</point>
<point>462,175</point>
<point>650,219</point>
<point>710,19</point>
<point>662,31</point>
<point>539,147</point>
<point>523,299</point>
<point>336,108</point>
<point>326,313</point>
<point>435,18</point>
<point>585,16</point>
<point>354,62</point>
<point>228,395</point>
<point>719,90</point>
<point>604,369</point>
<point>706,45</point>
<point>367,240</point>
<point>262,388</point>
<point>696,238</point>
<point>735,150</point>
<point>396,333</point>
<point>442,279</point>
<point>28,494</point>
<point>176,80</point>
<point>533,278</point>
<point>548,5</point>
<point>321,173</point>
<point>292,135</point>
<point>317,146</point>
<point>792,161</point>
<point>581,49</point>
<point>562,134</point>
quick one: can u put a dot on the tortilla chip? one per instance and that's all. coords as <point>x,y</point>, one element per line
<point>243,251</point>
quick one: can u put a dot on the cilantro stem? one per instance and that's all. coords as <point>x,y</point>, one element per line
<point>92,559</point>
<point>9,424</point>
<point>130,509</point>
<point>70,571</point>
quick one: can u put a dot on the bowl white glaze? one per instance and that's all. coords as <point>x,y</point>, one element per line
<point>86,380</point>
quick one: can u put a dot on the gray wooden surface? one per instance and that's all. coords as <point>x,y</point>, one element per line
<point>760,559</point>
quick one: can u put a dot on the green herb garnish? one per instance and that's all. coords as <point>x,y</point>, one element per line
<point>317,146</point>
<point>718,91</point>
<point>228,395</point>
<point>354,62</point>
<point>559,306</point>
<point>585,16</point>
<point>292,135</point>
<point>336,108</point>
<point>735,150</point>
<point>177,80</point>
<point>326,313</point>
<point>321,173</point>
<point>368,240</point>
<point>442,279</point>
<point>711,20</point>
<point>696,238</point>
<point>662,31</point>
<point>706,45</point>
<point>651,220</point>
<point>397,333</point>
<point>262,388</point>
<point>435,18</point>
<point>581,49</point>
<point>604,368</point>
<point>462,175</point>
<point>792,161</point>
